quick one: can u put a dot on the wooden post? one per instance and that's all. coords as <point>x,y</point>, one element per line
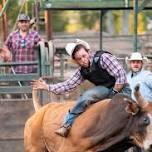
<point>48,25</point>
<point>1,31</point>
<point>37,10</point>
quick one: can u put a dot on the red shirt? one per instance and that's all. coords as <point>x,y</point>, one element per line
<point>23,50</point>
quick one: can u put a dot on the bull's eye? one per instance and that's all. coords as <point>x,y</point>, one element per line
<point>146,120</point>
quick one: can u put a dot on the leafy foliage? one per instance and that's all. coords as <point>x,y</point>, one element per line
<point>59,21</point>
<point>12,12</point>
<point>89,18</point>
<point>83,20</point>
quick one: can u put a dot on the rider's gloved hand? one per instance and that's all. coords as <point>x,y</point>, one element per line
<point>112,93</point>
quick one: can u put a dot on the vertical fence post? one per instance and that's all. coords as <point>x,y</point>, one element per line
<point>46,62</point>
<point>135,24</point>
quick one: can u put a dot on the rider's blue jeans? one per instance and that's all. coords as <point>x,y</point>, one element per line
<point>89,97</point>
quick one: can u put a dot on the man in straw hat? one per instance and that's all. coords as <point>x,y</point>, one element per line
<point>138,75</point>
<point>101,68</point>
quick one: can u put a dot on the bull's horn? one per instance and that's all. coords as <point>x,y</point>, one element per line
<point>139,97</point>
<point>36,102</point>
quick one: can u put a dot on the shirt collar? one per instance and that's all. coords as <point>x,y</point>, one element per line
<point>133,74</point>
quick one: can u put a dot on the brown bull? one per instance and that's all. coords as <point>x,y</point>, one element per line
<point>107,126</point>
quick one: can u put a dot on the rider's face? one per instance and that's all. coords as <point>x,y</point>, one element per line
<point>82,57</point>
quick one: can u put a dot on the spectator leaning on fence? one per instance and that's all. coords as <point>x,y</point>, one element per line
<point>137,75</point>
<point>21,44</point>
<point>101,68</point>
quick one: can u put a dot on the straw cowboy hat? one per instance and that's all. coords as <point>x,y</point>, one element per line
<point>71,46</point>
<point>136,56</point>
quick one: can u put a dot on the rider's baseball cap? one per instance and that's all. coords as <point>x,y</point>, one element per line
<point>23,17</point>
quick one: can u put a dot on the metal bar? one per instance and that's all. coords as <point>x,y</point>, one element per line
<point>42,58</point>
<point>144,3</point>
<point>19,83</point>
<point>95,8</point>
<point>51,58</point>
<point>101,23</point>
<point>62,66</point>
<point>14,100</point>
<point>135,24</point>
<point>77,4</point>
<point>21,63</point>
<point>15,89</point>
<point>20,77</point>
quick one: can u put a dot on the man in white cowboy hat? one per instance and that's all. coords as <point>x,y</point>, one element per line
<point>138,75</point>
<point>101,68</point>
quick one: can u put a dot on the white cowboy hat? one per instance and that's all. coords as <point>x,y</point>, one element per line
<point>136,56</point>
<point>71,46</point>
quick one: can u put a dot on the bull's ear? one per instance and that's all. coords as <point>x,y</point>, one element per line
<point>132,108</point>
<point>140,100</point>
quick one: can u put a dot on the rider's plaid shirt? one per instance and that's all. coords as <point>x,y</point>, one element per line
<point>108,62</point>
<point>23,49</point>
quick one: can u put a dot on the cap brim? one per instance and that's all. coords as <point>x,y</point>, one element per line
<point>23,20</point>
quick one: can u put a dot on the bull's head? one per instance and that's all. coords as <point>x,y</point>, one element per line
<point>142,111</point>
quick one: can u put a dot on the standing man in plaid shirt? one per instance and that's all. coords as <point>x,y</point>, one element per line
<point>21,45</point>
<point>101,68</point>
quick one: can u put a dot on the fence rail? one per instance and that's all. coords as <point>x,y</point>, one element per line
<point>13,83</point>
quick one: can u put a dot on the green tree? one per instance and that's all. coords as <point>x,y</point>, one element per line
<point>12,12</point>
<point>89,18</point>
<point>60,21</point>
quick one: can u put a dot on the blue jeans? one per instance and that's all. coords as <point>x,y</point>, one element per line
<point>89,97</point>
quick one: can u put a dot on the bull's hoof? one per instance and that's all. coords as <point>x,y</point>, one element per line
<point>63,131</point>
